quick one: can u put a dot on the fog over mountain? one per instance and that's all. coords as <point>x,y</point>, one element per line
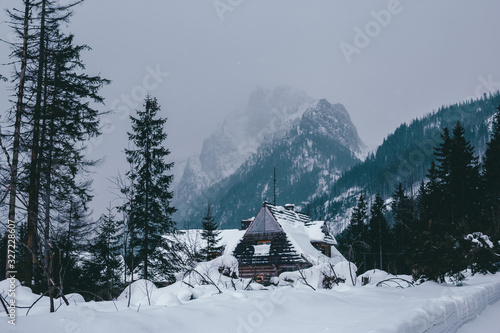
<point>309,143</point>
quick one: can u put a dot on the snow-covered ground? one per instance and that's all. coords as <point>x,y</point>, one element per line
<point>487,321</point>
<point>429,307</point>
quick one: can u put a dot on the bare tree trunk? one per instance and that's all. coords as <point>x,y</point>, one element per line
<point>17,124</point>
<point>47,254</point>
<point>380,243</point>
<point>146,206</point>
<point>34,170</point>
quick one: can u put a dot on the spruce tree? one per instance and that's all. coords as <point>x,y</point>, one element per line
<point>379,229</point>
<point>419,234</point>
<point>150,207</point>
<point>358,218</point>
<point>353,241</point>
<point>210,235</point>
<point>434,237</point>
<point>428,254</point>
<point>106,255</point>
<point>491,176</point>
<point>463,182</point>
<point>449,208</point>
<point>403,211</point>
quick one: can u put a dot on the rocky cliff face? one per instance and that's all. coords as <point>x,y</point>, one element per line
<point>268,114</point>
<point>309,142</point>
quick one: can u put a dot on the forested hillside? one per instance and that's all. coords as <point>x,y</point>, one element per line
<point>405,156</point>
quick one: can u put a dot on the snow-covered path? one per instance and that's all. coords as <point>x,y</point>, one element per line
<point>429,307</point>
<point>487,321</point>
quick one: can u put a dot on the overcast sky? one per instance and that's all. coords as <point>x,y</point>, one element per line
<point>386,61</point>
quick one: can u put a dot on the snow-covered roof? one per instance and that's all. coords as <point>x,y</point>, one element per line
<point>287,214</point>
<point>317,231</point>
<point>300,230</point>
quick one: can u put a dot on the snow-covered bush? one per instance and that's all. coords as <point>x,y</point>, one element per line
<point>322,276</point>
<point>346,270</point>
<point>377,277</point>
<point>481,255</point>
<point>221,272</point>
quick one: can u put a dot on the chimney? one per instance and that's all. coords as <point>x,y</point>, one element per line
<point>290,207</point>
<point>246,223</point>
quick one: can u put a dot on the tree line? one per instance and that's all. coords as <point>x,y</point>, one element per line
<point>44,170</point>
<point>44,167</point>
<point>451,224</point>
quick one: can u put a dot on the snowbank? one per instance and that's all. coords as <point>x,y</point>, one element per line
<point>25,299</point>
<point>139,292</point>
<point>428,307</point>
<point>457,306</point>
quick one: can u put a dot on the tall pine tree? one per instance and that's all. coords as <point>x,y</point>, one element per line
<point>379,230</point>
<point>403,210</point>
<point>448,207</point>
<point>353,241</point>
<point>462,184</point>
<point>491,176</point>
<point>150,207</point>
<point>358,218</point>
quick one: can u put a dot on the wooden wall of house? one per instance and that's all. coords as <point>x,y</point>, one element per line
<point>282,257</point>
<point>281,250</point>
<point>263,273</point>
<point>323,247</point>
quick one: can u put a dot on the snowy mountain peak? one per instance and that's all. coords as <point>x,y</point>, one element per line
<point>334,121</point>
<point>311,135</point>
<point>268,113</point>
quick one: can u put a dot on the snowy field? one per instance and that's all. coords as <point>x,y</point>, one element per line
<point>429,307</point>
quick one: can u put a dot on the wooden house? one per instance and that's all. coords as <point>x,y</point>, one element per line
<point>279,239</point>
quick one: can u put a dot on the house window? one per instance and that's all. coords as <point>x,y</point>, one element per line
<point>326,250</point>
<point>264,242</point>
